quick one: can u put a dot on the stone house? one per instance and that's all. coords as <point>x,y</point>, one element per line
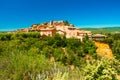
<point>23,30</point>
<point>61,32</point>
<point>98,37</point>
<point>67,30</point>
<point>76,33</point>
<point>48,32</point>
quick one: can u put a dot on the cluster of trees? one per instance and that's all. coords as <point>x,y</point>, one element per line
<point>14,36</point>
<point>68,51</point>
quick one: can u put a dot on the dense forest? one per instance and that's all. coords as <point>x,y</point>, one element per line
<point>29,56</point>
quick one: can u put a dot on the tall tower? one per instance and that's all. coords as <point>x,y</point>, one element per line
<point>51,22</point>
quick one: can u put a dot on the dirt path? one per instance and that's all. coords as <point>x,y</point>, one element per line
<point>103,50</point>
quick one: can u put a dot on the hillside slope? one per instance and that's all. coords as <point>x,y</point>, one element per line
<point>103,30</point>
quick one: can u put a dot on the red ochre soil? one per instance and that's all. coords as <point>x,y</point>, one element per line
<point>103,50</point>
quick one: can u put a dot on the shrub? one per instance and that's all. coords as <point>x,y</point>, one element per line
<point>100,70</point>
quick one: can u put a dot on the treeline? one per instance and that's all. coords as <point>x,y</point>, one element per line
<point>13,36</point>
<point>103,30</point>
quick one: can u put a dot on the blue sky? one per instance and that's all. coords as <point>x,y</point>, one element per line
<point>15,14</point>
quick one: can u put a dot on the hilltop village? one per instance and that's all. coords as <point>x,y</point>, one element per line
<point>62,28</point>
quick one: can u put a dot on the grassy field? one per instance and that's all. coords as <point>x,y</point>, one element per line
<point>103,30</point>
